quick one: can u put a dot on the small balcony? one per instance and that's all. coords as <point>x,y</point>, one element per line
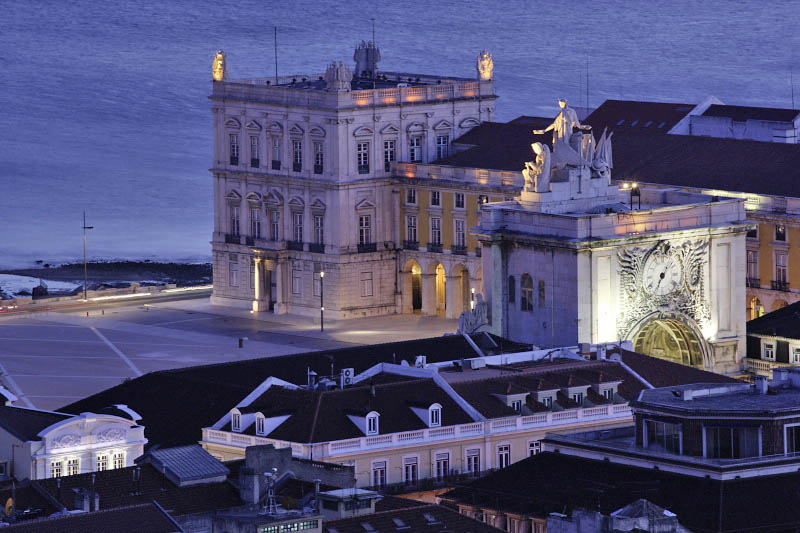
<point>411,245</point>
<point>754,282</point>
<point>317,169</point>
<point>232,239</point>
<point>780,285</point>
<point>435,247</point>
<point>458,250</point>
<point>367,248</point>
<point>249,241</point>
<point>255,163</point>
<point>363,169</point>
<point>294,245</point>
<point>234,161</point>
<point>316,247</point>
<point>276,165</point>
<point>297,167</point>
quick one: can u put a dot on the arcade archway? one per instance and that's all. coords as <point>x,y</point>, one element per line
<point>670,339</point>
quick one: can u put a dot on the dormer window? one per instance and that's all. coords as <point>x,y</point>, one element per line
<point>372,423</point>
<point>435,415</point>
<point>578,398</point>
<point>608,394</point>
<point>516,405</point>
<point>260,424</point>
<point>547,401</point>
<point>236,420</point>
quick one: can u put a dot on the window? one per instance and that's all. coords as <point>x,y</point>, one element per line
<point>474,460</point>
<point>516,405</point>
<point>297,281</point>
<point>415,149</point>
<point>118,460</point>
<point>234,152</point>
<point>275,225</point>
<point>379,474</point>
<point>411,196</point>
<point>436,230</point>
<point>752,233</point>
<point>578,398</point>
<point>503,456</point>
<point>410,470</point>
<point>442,144</point>
<point>608,394</point>
<point>768,351</point>
<point>411,228</point>
<point>254,160</point>
<point>436,198</point>
<point>389,154</point>
<point>319,158</point>
<point>236,421</point>
<point>365,229</point>
<point>252,274</point>
<point>796,355</point>
<point>372,424</point>
<point>512,289</point>
<point>259,425</point>
<point>297,227</point>
<point>362,157</point>
<point>435,415</point>
<point>316,287</point>
<point>297,155</point>
<point>541,293</point>
<point>534,447</point>
<point>780,233</point>
<point>752,264</point>
<point>482,199</point>
<point>461,233</point>
<point>366,284</point>
<point>442,465</point>
<point>459,198</point>
<point>663,436</point>
<point>732,442</point>
<point>547,401</point>
<point>526,293</point>
<point>319,231</point>
<point>276,153</point>
<point>235,220</point>
<point>780,267</point>
<point>233,273</point>
<point>56,468</point>
<point>255,223</point>
<point>73,467</point>
<point>102,462</point>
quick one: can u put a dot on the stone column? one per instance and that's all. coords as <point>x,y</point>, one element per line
<point>499,276</point>
<point>281,305</point>
<point>453,296</point>
<point>258,296</point>
<point>406,293</point>
<point>429,294</point>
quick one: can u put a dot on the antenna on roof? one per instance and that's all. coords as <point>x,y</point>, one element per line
<point>375,46</point>
<point>276,55</point>
<point>791,82</point>
<point>587,86</point>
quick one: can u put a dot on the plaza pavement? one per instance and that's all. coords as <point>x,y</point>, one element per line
<point>51,359</point>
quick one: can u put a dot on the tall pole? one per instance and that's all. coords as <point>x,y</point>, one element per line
<point>276,55</point>
<point>85,276</point>
<point>321,301</point>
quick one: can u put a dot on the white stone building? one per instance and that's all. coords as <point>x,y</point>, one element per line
<point>306,182</point>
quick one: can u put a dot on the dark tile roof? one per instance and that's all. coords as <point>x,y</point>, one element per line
<point>659,117</point>
<point>176,404</point>
<point>784,322</point>
<point>25,424</point>
<point>323,416</point>
<point>188,463</point>
<point>118,489</point>
<point>662,373</point>
<point>392,503</point>
<point>29,502</point>
<point>131,519</point>
<point>432,518</point>
<point>742,113</point>
<point>553,482</point>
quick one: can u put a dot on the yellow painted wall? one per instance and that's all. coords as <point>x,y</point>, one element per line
<point>766,232</point>
<point>472,220</point>
<point>793,235</point>
<point>448,201</point>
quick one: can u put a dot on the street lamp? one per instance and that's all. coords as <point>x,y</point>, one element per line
<point>321,302</point>
<point>85,277</point>
<point>637,193</point>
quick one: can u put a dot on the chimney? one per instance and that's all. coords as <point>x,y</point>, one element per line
<point>248,486</point>
<point>82,501</point>
<point>761,384</point>
<point>137,476</point>
<point>601,352</point>
<point>687,395</point>
<point>316,496</point>
<point>585,350</point>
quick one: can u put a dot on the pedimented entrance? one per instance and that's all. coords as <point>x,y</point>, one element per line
<point>670,339</point>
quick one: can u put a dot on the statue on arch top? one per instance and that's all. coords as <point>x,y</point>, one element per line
<point>219,67</point>
<point>562,126</point>
<point>485,65</point>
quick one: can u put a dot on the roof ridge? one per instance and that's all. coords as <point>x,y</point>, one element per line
<point>314,421</point>
<point>388,511</point>
<point>565,366</point>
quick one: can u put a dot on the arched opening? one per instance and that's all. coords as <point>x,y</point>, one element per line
<point>411,290</point>
<point>755,309</point>
<point>441,290</point>
<point>459,297</point>
<point>669,339</point>
<point>779,304</point>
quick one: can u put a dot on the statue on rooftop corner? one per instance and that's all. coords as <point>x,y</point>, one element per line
<point>219,67</point>
<point>602,161</point>
<point>472,321</point>
<point>338,77</point>
<point>537,173</point>
<point>485,65</point>
<point>366,56</point>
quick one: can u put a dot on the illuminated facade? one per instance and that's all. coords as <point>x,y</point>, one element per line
<point>308,179</point>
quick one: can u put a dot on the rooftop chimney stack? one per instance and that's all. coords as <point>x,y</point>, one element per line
<point>761,384</point>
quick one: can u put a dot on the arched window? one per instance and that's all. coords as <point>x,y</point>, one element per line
<point>372,423</point>
<point>541,293</point>
<point>260,426</point>
<point>435,415</point>
<point>526,293</point>
<point>512,289</point>
<point>236,420</point>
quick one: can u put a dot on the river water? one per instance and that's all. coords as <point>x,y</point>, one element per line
<point>104,109</point>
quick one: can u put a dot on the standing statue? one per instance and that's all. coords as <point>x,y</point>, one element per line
<point>562,126</point>
<point>366,57</point>
<point>603,162</point>
<point>485,66</point>
<point>219,67</point>
<point>338,77</point>
<point>471,322</point>
<point>537,173</point>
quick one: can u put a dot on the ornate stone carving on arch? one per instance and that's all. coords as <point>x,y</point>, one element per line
<point>254,198</point>
<point>110,435</point>
<point>317,131</point>
<point>275,128</point>
<point>66,441</point>
<point>362,131</point>
<point>469,123</point>
<point>233,123</point>
<point>390,129</point>
<point>253,126</point>
<point>443,125</point>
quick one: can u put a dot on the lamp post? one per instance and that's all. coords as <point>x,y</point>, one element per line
<point>637,193</point>
<point>321,301</point>
<point>85,276</point>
